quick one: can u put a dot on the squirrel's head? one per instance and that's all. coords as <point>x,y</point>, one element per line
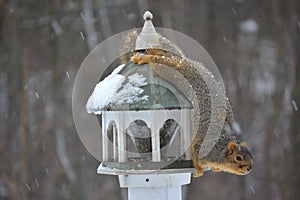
<point>238,158</point>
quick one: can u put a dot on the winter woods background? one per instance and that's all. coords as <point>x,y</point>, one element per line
<point>255,44</point>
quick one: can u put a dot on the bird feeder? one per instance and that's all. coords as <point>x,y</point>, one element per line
<point>146,128</point>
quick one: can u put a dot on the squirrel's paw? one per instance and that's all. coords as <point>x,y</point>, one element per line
<point>139,59</point>
<point>215,169</point>
<point>136,58</point>
<point>198,173</point>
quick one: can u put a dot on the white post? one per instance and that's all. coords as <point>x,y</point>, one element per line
<point>159,186</point>
<point>186,135</point>
<point>104,137</point>
<point>167,193</point>
<point>155,145</point>
<point>155,140</point>
<point>122,153</point>
<point>115,143</point>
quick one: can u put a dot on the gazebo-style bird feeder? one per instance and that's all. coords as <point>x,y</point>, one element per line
<point>146,127</point>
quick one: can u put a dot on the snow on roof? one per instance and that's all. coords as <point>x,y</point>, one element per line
<point>112,90</point>
<point>131,91</point>
<point>249,26</point>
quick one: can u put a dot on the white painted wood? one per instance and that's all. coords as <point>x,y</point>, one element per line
<point>155,140</point>
<point>155,180</point>
<point>121,138</point>
<point>104,137</point>
<point>109,171</point>
<point>155,143</point>
<point>115,142</point>
<point>154,120</point>
<point>183,131</point>
<point>186,135</point>
<point>148,187</point>
<point>170,193</point>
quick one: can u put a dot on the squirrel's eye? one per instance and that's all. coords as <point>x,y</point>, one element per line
<point>238,158</point>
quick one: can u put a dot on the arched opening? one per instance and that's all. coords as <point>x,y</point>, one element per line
<point>140,137</point>
<point>170,143</point>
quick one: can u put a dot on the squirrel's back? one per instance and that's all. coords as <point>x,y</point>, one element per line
<point>228,154</point>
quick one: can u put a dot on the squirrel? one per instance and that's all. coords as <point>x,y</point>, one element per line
<point>228,154</point>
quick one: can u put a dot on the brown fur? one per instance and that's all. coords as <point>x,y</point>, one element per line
<point>223,158</point>
<point>243,144</point>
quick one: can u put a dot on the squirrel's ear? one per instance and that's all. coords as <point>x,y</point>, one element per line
<point>243,144</point>
<point>232,147</point>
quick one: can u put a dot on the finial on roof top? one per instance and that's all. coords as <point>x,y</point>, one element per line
<point>148,38</point>
<point>148,16</point>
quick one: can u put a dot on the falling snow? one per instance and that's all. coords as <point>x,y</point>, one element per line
<point>37,183</point>
<point>82,36</point>
<point>236,127</point>
<point>233,10</point>
<point>56,27</point>
<point>47,170</point>
<point>252,189</point>
<point>295,106</point>
<point>68,75</point>
<point>249,26</point>
<point>82,16</point>
<point>28,187</point>
<point>37,95</point>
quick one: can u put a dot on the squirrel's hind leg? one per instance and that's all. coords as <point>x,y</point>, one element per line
<point>196,161</point>
<point>199,171</point>
<point>198,167</point>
